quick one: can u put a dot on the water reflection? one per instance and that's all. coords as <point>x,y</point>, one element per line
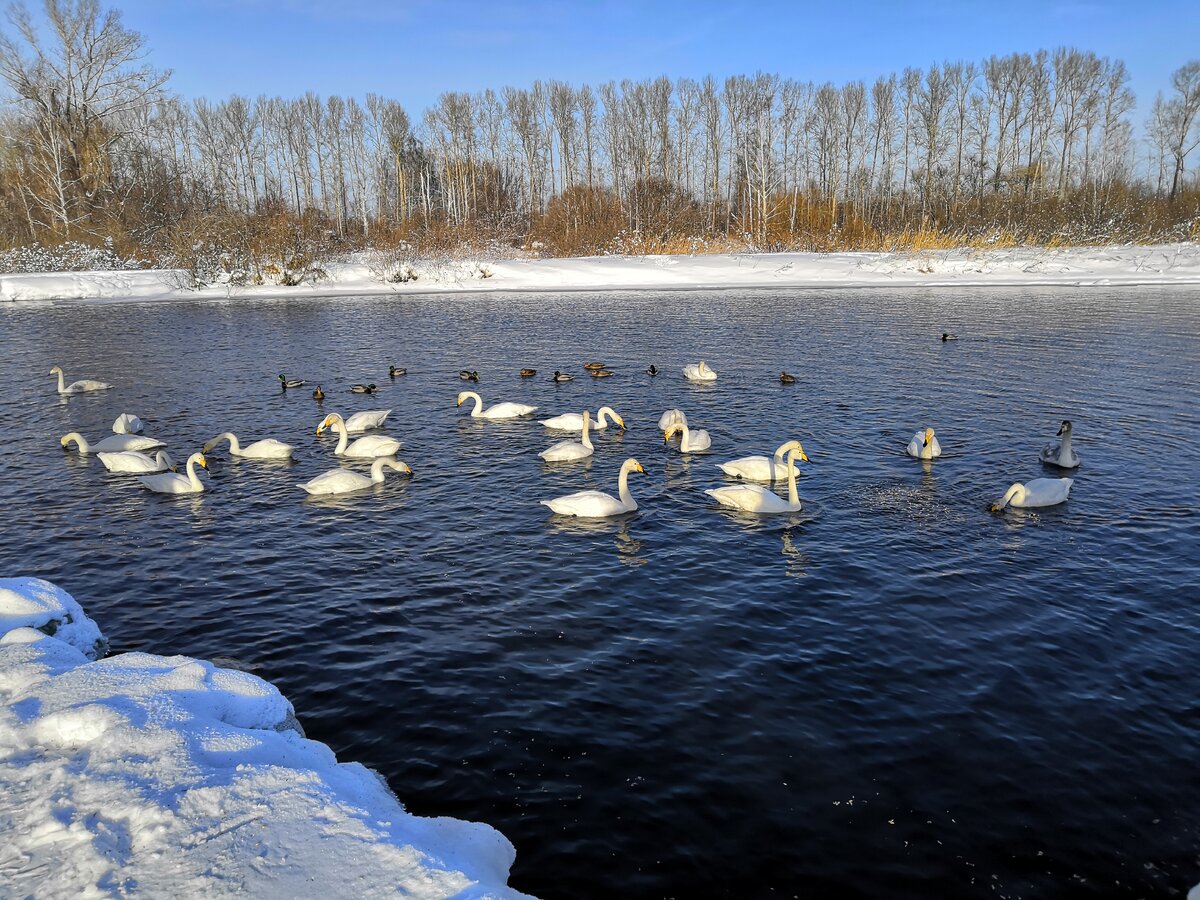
<point>796,561</point>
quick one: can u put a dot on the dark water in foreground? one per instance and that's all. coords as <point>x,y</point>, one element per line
<point>894,693</point>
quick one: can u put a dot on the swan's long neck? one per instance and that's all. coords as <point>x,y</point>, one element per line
<point>84,446</point>
<point>477,410</point>
<point>586,441</point>
<point>193,478</point>
<point>685,441</point>
<point>61,384</point>
<point>377,469</point>
<point>1016,492</point>
<point>343,437</point>
<point>777,460</point>
<point>623,488</point>
<point>603,415</point>
<point>793,494</point>
<point>234,447</point>
<point>1064,451</point>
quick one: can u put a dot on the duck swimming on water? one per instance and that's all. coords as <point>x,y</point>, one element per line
<point>394,371</point>
<point>363,389</point>
<point>286,383</point>
<point>561,376</point>
<point>528,373</point>
<point>318,394</point>
<point>785,378</point>
<point>468,375</point>
<point>652,370</point>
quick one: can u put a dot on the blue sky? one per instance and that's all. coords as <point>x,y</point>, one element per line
<point>412,50</point>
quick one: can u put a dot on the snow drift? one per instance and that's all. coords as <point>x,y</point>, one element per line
<point>170,776</point>
<point>1022,266</point>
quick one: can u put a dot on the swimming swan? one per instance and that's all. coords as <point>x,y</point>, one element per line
<point>127,423</point>
<point>78,387</point>
<point>174,483</point>
<point>699,372</point>
<point>498,411</point>
<point>691,441</point>
<point>574,421</point>
<point>1062,455</point>
<point>369,447</point>
<point>924,445</point>
<point>130,462</point>
<point>114,442</point>
<point>568,451</point>
<point>758,499</point>
<point>343,481</point>
<point>267,448</point>
<point>1039,492</point>
<point>366,419</point>
<point>761,468</point>
<point>597,504</point>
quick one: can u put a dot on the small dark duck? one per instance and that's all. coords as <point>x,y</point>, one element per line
<point>785,378</point>
<point>363,389</point>
<point>318,394</point>
<point>394,371</point>
<point>468,375</point>
<point>593,366</point>
<point>561,376</point>
<point>947,336</point>
<point>652,370</point>
<point>600,373</point>
<point>528,373</point>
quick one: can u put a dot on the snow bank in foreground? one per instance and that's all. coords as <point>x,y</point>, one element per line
<point>169,777</point>
<point>1126,265</point>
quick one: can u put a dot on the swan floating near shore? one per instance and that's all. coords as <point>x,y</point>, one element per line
<point>1061,454</point>
<point>569,451</point>
<point>699,372</point>
<point>924,445</point>
<point>497,411</point>
<point>597,504</point>
<point>761,468</point>
<point>113,443</point>
<point>82,386</point>
<point>174,483</point>
<point>757,499</point>
<point>1038,492</point>
<point>369,447</point>
<point>267,448</point>
<point>574,421</point>
<point>343,481</point>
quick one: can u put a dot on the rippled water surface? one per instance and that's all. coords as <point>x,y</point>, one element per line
<point>894,692</point>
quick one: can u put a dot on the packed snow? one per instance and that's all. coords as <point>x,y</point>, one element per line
<point>171,777</point>
<point>1023,266</point>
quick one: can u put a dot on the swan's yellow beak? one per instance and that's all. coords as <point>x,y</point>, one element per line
<point>638,468</point>
<point>803,455</point>
<point>458,402</point>
<point>928,436</point>
<point>203,462</point>
<point>620,421</point>
<point>63,441</point>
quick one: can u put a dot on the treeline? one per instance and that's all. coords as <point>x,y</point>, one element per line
<point>1029,148</point>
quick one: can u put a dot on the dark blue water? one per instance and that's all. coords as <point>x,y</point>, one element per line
<point>894,692</point>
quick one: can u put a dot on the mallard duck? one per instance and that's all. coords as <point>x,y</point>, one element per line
<point>947,336</point>
<point>394,371</point>
<point>363,389</point>
<point>592,366</point>
<point>290,383</point>
<point>468,375</point>
<point>318,394</point>
<point>561,376</point>
<point>785,378</point>
<point>601,373</point>
<point>652,370</point>
<point>528,373</point>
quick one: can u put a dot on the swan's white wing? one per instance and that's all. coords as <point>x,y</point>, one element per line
<point>267,448</point>
<point>127,423</point>
<point>366,420</point>
<point>337,481</point>
<point>750,498</point>
<point>588,504</point>
<point>119,442</point>
<point>565,422</point>
<point>84,385</point>
<point>129,461</point>
<point>169,483</point>
<point>671,417</point>
<point>509,411</point>
<point>373,446</point>
<point>564,451</point>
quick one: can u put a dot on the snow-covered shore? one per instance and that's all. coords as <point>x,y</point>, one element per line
<point>172,777</point>
<point>1024,266</point>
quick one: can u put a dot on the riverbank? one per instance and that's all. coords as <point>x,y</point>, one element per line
<point>1024,266</point>
<point>172,777</point>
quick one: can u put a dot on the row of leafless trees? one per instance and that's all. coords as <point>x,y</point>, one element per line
<point>94,146</point>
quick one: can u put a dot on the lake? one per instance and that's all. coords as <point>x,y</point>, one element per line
<point>893,692</point>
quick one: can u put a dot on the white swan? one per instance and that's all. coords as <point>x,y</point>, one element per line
<point>1062,455</point>
<point>367,419</point>
<point>597,504</point>
<point>112,443</point>
<point>699,372</point>
<point>692,441</point>
<point>343,481</point>
<point>758,499</point>
<point>267,448</point>
<point>924,445</point>
<point>568,451</point>
<point>761,468</point>
<point>127,423</point>
<point>133,463</point>
<point>670,417</point>
<point>174,483</point>
<point>1039,492</point>
<point>498,411</point>
<point>574,421</point>
<point>369,447</point>
<point>78,387</point>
